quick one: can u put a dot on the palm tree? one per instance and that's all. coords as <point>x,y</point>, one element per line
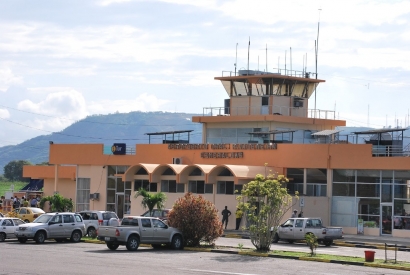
<point>151,200</point>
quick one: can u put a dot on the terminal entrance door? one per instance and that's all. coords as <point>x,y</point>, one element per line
<point>386,225</point>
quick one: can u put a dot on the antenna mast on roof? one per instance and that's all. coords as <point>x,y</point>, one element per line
<point>249,45</point>
<point>316,53</point>
<point>266,58</point>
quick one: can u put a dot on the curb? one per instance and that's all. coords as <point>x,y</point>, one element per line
<point>256,254</point>
<point>402,248</point>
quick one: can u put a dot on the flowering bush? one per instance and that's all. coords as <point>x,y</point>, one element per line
<point>12,214</point>
<point>197,218</point>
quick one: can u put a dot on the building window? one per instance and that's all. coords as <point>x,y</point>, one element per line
<point>144,184</point>
<point>83,194</point>
<point>141,171</point>
<point>169,172</point>
<point>344,189</point>
<point>197,187</point>
<point>171,186</point>
<point>316,190</point>
<point>225,173</point>
<point>225,187</point>
<point>295,184</point>
<point>200,187</point>
<point>196,172</point>
<point>209,188</point>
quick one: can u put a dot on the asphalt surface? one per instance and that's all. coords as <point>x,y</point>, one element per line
<point>364,241</point>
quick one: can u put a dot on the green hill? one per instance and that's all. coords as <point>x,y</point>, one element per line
<point>129,128</point>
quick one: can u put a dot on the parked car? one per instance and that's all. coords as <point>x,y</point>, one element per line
<point>297,229</point>
<point>29,214</point>
<point>157,213</point>
<point>58,226</point>
<point>7,228</point>
<point>94,218</point>
<point>136,230</point>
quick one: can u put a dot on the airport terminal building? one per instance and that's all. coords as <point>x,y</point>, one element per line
<point>265,126</point>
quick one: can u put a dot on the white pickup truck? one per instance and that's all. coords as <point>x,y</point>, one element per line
<point>297,228</point>
<point>136,230</point>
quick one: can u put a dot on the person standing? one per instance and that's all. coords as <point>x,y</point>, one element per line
<point>238,215</point>
<point>225,215</point>
<point>33,202</point>
<point>295,214</point>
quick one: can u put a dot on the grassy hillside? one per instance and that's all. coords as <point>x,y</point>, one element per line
<point>129,128</point>
<point>5,186</point>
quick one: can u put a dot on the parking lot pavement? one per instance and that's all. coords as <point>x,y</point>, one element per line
<point>364,241</point>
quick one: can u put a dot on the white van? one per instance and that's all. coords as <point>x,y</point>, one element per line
<point>94,218</point>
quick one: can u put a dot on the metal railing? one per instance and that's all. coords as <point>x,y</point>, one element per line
<point>388,151</point>
<point>129,150</point>
<point>269,110</point>
<point>278,71</point>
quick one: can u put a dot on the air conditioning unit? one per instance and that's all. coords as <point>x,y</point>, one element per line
<point>297,103</point>
<point>95,196</point>
<point>176,160</point>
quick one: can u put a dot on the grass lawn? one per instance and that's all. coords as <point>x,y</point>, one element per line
<point>5,186</point>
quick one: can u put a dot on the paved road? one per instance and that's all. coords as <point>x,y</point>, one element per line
<point>86,258</point>
<point>333,250</point>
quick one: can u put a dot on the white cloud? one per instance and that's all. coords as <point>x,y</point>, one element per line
<point>111,2</point>
<point>59,110</point>
<point>4,113</point>
<point>7,78</point>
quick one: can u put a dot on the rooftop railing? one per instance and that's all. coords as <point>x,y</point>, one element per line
<point>285,72</point>
<point>129,150</point>
<point>269,110</point>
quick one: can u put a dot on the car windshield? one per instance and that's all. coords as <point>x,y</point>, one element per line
<point>37,210</point>
<point>43,219</point>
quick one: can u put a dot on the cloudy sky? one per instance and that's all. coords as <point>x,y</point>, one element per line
<point>63,60</point>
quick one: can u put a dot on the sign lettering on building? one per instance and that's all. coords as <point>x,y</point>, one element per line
<point>118,148</point>
<point>222,146</point>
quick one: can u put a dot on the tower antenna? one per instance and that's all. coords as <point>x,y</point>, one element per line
<point>249,45</point>
<point>316,53</point>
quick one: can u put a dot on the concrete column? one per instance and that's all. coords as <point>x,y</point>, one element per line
<point>55,177</point>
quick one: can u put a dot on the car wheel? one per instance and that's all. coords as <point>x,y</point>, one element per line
<point>76,236</point>
<point>26,221</point>
<point>2,237</point>
<point>275,238</point>
<point>40,237</point>
<point>133,243</point>
<point>112,246</point>
<point>327,242</point>
<point>91,232</point>
<point>177,242</point>
<point>22,240</point>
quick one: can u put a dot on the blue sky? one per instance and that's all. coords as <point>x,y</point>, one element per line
<point>63,60</point>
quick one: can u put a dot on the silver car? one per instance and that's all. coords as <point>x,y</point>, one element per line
<point>58,226</point>
<point>8,227</point>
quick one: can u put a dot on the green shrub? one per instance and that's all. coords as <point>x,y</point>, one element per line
<point>311,241</point>
<point>197,218</point>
